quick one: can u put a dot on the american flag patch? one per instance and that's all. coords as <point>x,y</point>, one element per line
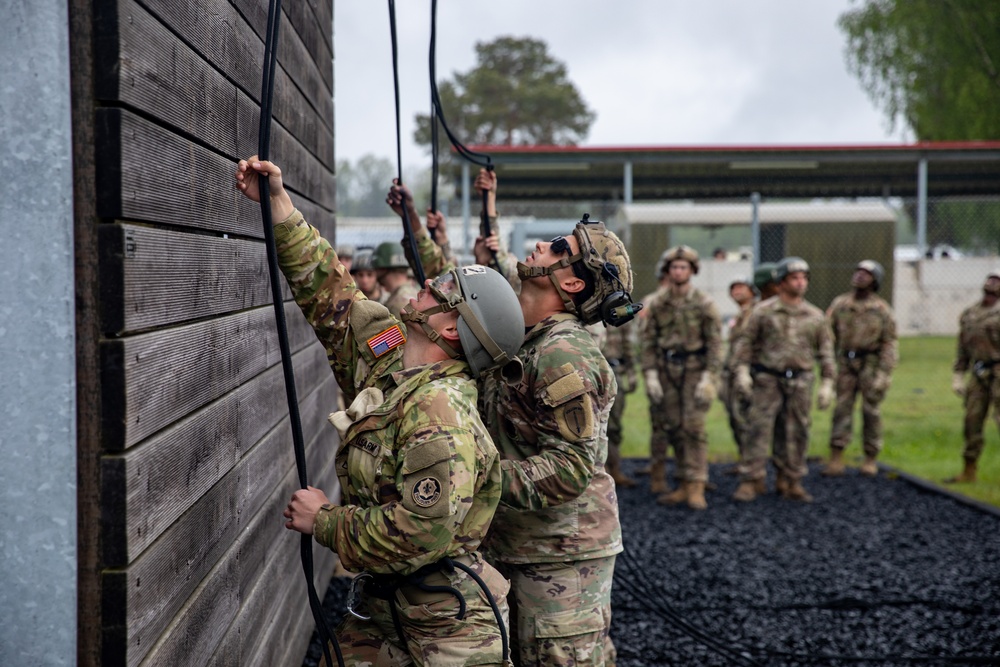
<point>388,340</point>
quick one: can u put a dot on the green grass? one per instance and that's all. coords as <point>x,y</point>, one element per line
<point>921,417</point>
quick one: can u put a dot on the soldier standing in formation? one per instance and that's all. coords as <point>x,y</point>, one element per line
<point>784,338</point>
<point>681,360</point>
<point>658,426</point>
<point>345,252</point>
<point>393,274</point>
<point>419,474</point>
<point>556,533</point>
<point>617,346</point>
<point>979,352</point>
<point>864,336</point>
<point>363,272</point>
<point>742,291</point>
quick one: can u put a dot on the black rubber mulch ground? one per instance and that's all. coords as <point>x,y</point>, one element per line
<point>875,572</point>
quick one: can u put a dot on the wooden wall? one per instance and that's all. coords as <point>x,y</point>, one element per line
<point>194,565</point>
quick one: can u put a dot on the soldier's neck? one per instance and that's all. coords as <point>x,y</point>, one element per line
<point>682,289</point>
<point>862,294</point>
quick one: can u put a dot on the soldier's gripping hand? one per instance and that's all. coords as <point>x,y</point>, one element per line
<point>303,508</point>
<point>958,384</point>
<point>743,383</point>
<point>824,397</point>
<point>653,387</point>
<point>705,391</point>
<point>248,175</point>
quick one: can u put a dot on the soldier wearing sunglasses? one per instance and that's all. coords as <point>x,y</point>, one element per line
<point>556,533</point>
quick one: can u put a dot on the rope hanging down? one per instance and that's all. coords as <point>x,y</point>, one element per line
<point>263,151</point>
<point>411,241</point>
<point>437,115</point>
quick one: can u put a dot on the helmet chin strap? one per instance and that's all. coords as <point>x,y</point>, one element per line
<point>524,272</point>
<point>421,316</point>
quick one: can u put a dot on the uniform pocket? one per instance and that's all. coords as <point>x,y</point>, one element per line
<point>427,478</point>
<point>571,637</point>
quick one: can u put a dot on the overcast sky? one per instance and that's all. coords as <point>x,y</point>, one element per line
<point>656,72</point>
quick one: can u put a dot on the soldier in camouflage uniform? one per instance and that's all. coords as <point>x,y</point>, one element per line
<point>681,360</point>
<point>742,292</point>
<point>557,532</point>
<point>864,336</point>
<point>784,338</point>
<point>617,346</point>
<point>419,473</point>
<point>363,272</point>
<point>979,352</point>
<point>392,270</point>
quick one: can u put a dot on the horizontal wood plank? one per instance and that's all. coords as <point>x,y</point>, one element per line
<point>151,380</point>
<point>140,601</point>
<point>152,484</point>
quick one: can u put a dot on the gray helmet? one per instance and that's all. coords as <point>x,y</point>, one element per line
<point>345,251</point>
<point>790,265</point>
<point>764,275</point>
<point>363,260</point>
<point>389,255</point>
<point>680,252</point>
<point>743,280</point>
<point>490,320</point>
<point>874,268</point>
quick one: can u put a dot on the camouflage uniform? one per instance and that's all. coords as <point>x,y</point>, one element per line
<point>681,338</point>
<point>781,345</point>
<point>864,334</point>
<point>979,351</point>
<point>419,473</point>
<point>558,516</point>
<point>737,407</point>
<point>616,345</point>
<point>657,422</point>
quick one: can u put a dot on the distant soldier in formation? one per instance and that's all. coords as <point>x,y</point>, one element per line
<point>681,362</point>
<point>979,352</point>
<point>763,280</point>
<point>784,339</point>
<point>363,272</point>
<point>658,426</point>
<point>741,291</point>
<point>393,274</point>
<point>617,346</point>
<point>864,336</point>
<point>345,252</point>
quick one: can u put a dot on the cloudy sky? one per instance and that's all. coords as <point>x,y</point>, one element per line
<point>656,72</point>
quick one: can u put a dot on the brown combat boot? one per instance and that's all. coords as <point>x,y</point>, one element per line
<point>696,495</point>
<point>796,491</point>
<point>748,490</point>
<point>658,478</point>
<point>613,468</point>
<point>869,468</point>
<point>781,484</point>
<point>967,475</point>
<point>835,468</point>
<point>676,497</point>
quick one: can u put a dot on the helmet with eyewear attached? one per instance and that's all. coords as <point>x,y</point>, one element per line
<point>490,321</point>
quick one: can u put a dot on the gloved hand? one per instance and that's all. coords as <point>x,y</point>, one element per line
<point>958,384</point>
<point>880,384</point>
<point>743,383</point>
<point>705,391</point>
<point>631,380</point>
<point>824,397</point>
<point>653,387</point>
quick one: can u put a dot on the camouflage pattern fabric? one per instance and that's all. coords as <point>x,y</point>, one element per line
<point>782,338</point>
<point>737,407</point>
<point>420,476</point>
<point>681,338</point>
<point>865,342</point>
<point>400,297</point>
<point>658,440</point>
<point>617,346</point>
<point>979,351</point>
<point>562,613</point>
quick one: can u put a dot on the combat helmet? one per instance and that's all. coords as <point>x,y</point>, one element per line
<point>605,262</point>
<point>490,320</point>
<point>764,275</point>
<point>986,283</point>
<point>874,268</point>
<point>389,255</point>
<point>680,252</point>
<point>345,251</point>
<point>744,280</point>
<point>363,260</point>
<point>790,265</point>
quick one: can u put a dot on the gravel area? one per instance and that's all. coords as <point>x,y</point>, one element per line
<point>874,572</point>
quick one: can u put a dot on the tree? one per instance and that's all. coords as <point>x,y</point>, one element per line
<point>517,94</point>
<point>934,64</point>
<point>361,187</point>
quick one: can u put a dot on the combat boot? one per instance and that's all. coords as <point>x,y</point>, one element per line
<point>796,491</point>
<point>967,475</point>
<point>835,468</point>
<point>781,484</point>
<point>749,490</point>
<point>676,497</point>
<point>658,478</point>
<point>869,468</point>
<point>621,479</point>
<point>696,495</point>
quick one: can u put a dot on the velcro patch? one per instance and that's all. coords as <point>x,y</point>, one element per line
<point>386,341</point>
<point>568,386</point>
